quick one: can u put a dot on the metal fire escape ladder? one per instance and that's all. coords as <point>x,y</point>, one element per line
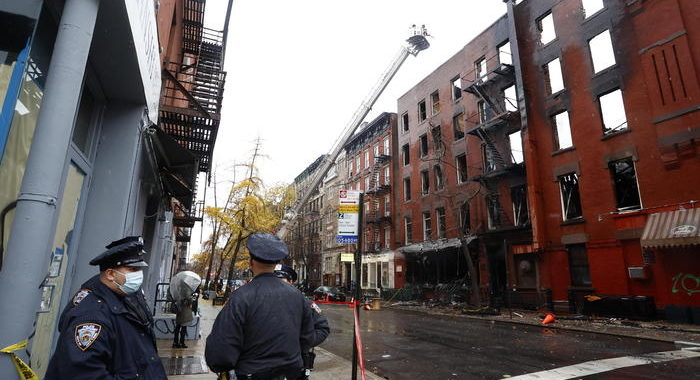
<point>416,43</point>
<point>491,147</point>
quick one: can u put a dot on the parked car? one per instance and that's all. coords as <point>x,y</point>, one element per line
<point>328,292</point>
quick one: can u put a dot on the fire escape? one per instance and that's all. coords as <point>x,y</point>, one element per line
<point>373,195</point>
<point>190,108</point>
<point>497,118</point>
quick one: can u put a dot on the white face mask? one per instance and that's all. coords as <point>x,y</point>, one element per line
<point>132,283</point>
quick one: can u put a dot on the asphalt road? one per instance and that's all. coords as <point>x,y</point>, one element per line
<point>401,344</point>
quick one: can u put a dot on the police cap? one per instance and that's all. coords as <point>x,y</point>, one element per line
<point>266,247</point>
<point>126,252</point>
<point>285,271</point>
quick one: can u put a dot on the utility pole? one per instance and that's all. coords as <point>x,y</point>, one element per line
<point>358,285</point>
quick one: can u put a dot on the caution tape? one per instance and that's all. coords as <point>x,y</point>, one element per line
<point>23,369</point>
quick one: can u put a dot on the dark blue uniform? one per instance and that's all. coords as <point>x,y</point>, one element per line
<point>105,336</point>
<point>262,327</point>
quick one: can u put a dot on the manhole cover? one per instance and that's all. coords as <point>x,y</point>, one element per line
<point>184,365</point>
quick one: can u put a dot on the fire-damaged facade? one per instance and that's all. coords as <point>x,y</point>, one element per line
<point>547,145</point>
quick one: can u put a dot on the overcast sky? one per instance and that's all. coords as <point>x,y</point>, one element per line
<point>298,69</point>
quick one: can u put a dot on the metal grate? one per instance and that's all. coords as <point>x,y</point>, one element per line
<point>184,365</point>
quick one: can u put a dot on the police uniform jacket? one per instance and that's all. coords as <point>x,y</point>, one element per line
<point>321,327</point>
<point>105,336</point>
<point>262,327</point>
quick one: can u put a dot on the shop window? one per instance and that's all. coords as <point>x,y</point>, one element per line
<point>439,177</point>
<point>385,274</point>
<point>441,226</point>
<point>365,270</point>
<point>405,155</point>
<point>408,229</point>
<point>545,27</point>
<point>526,271</point>
<point>423,145</point>
<point>612,111</point>
<point>493,208</point>
<point>464,218</point>
<point>404,122</point>
<point>422,111</point>
<point>84,123</point>
<point>516,147</point>
<point>570,196</point>
<point>518,195</point>
<point>554,81</point>
<point>504,54</point>
<point>435,102</point>
<point>458,125</point>
<point>562,131</point>
<point>602,53</point>
<point>456,88</point>
<point>425,182</point>
<point>578,265</point>
<point>427,228</point>
<point>407,189</point>
<point>480,69</point>
<point>624,179</point>
<point>510,99</point>
<point>591,7</point>
<point>461,168</point>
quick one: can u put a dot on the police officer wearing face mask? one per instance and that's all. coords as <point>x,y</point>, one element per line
<point>107,329</point>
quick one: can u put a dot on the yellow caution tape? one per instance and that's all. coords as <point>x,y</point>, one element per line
<point>23,369</point>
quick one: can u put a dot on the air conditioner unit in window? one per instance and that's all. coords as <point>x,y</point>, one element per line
<point>637,273</point>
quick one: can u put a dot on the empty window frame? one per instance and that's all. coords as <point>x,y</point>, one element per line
<point>406,189</point>
<point>425,182</point>
<point>441,226</point>
<point>423,145</point>
<point>456,88</point>
<point>510,98</point>
<point>562,131</point>
<point>612,111</point>
<point>458,126</point>
<point>435,102</point>
<point>504,54</point>
<point>554,81</point>
<point>464,218</point>
<point>481,109</point>
<point>480,69</point>
<point>366,158</point>
<point>404,122</point>
<point>387,176</point>
<point>518,196</point>
<point>578,265</point>
<point>436,132</point>
<point>422,111</point>
<point>602,52</point>
<point>545,25</point>
<point>516,147</point>
<point>493,208</point>
<point>405,155</point>
<point>408,229</point>
<point>570,196</point>
<point>387,205</point>
<point>488,158</point>
<point>624,179</point>
<point>427,227</point>
<point>387,146</point>
<point>461,162</point>
<point>439,177</point>
<point>591,7</point>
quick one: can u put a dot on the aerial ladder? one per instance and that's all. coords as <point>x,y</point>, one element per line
<point>416,43</point>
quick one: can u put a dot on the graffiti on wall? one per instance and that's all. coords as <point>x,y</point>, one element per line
<point>686,282</point>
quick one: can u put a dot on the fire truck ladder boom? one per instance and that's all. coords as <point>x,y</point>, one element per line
<point>415,44</point>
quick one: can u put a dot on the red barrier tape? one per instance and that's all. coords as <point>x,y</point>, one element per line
<point>358,340</point>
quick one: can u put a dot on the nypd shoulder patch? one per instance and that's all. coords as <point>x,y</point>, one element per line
<point>80,295</point>
<point>86,334</point>
<point>315,307</point>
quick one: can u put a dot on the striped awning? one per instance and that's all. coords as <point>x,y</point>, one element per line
<point>672,229</point>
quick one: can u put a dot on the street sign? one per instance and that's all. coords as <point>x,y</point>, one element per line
<point>347,257</point>
<point>348,216</point>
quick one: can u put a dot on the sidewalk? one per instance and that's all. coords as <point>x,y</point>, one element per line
<point>190,361</point>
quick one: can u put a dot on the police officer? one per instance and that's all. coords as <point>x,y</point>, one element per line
<point>261,329</point>
<point>107,329</point>
<point>321,328</point>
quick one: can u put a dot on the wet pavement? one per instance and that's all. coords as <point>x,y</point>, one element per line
<point>404,344</point>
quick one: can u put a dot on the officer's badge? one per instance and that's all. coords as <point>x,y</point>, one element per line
<point>315,307</point>
<point>82,293</point>
<point>86,334</point>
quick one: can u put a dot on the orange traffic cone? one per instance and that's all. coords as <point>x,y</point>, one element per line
<point>548,318</point>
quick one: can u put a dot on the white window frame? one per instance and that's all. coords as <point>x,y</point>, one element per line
<point>427,226</point>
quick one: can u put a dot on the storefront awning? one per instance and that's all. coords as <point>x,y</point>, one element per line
<point>672,229</point>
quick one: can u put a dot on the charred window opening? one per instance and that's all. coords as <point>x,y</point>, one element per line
<point>488,158</point>
<point>408,229</point>
<point>602,53</point>
<point>570,196</point>
<point>518,195</point>
<point>405,154</point>
<point>435,102</point>
<point>406,189</point>
<point>493,207</point>
<point>458,124</point>
<point>624,179</point>
<point>562,131</point>
<point>504,54</point>
<point>578,265</point>
<point>423,145</point>
<point>422,111</point>
<point>461,168</point>
<point>436,132</point>
<point>427,231</point>
<point>591,7</point>
<point>516,147</point>
<point>612,111</point>
<point>464,218</point>
<point>510,99</point>
<point>439,178</point>
<point>545,26</point>
<point>404,122</point>
<point>481,105</point>
<point>480,69</point>
<point>425,182</point>
<point>441,226</point>
<point>554,81</point>
<point>456,88</point>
